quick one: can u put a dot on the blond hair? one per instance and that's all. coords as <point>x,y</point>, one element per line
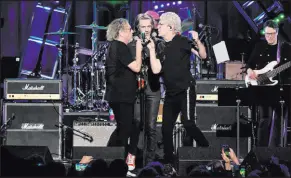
<point>114,27</point>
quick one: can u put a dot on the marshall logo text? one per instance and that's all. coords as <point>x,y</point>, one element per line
<point>28,87</point>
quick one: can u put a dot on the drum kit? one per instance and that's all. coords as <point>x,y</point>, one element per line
<point>89,85</point>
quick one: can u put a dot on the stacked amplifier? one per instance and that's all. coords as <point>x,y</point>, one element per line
<point>33,109</point>
<point>218,123</point>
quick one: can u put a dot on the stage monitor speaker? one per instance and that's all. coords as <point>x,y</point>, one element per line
<point>107,153</point>
<point>34,125</point>
<point>262,155</point>
<point>26,153</point>
<point>187,156</point>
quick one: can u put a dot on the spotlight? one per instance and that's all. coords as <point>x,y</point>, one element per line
<point>179,2</point>
<point>281,16</point>
<point>168,4</point>
<point>174,3</point>
<point>162,5</point>
<point>277,20</point>
<point>156,7</point>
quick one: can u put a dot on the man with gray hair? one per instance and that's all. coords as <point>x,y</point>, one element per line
<point>180,85</point>
<point>120,76</point>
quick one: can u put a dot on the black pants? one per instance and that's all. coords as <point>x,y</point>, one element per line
<point>269,125</point>
<point>183,102</point>
<point>124,114</point>
<point>152,103</point>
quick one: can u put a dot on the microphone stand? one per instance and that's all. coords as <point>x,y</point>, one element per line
<point>81,134</point>
<point>4,127</point>
<point>210,62</point>
<point>141,92</point>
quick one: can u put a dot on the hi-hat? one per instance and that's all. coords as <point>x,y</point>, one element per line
<point>92,26</point>
<point>61,33</point>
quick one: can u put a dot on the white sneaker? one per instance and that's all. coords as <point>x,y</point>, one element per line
<point>130,161</point>
<point>130,174</point>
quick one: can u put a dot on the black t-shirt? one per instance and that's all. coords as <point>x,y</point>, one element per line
<point>176,65</point>
<point>121,82</point>
<point>264,53</point>
<point>285,57</point>
<point>152,79</point>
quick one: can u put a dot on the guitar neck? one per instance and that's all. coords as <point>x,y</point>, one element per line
<point>278,69</point>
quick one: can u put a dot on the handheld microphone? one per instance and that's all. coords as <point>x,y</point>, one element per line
<point>143,37</point>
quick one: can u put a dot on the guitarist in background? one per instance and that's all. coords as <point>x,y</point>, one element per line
<point>264,53</point>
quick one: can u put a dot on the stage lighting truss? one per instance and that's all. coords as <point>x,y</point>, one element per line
<point>257,12</point>
<point>160,5</point>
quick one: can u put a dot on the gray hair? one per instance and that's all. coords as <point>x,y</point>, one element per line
<point>114,27</point>
<point>172,19</point>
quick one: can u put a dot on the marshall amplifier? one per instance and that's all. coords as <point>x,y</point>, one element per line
<point>207,90</point>
<point>34,124</point>
<point>32,89</point>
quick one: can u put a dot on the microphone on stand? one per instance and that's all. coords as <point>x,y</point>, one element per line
<point>205,26</point>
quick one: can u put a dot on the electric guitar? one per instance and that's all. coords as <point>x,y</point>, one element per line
<point>266,74</point>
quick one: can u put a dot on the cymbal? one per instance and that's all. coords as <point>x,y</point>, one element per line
<point>187,24</point>
<point>92,26</point>
<point>85,51</point>
<point>61,33</point>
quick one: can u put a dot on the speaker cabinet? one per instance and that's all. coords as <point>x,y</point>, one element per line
<point>107,153</point>
<point>262,155</point>
<point>187,156</point>
<point>209,115</point>
<point>34,125</point>
<point>27,153</point>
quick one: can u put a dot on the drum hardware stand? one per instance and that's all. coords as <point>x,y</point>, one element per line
<point>76,89</point>
<point>91,92</point>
